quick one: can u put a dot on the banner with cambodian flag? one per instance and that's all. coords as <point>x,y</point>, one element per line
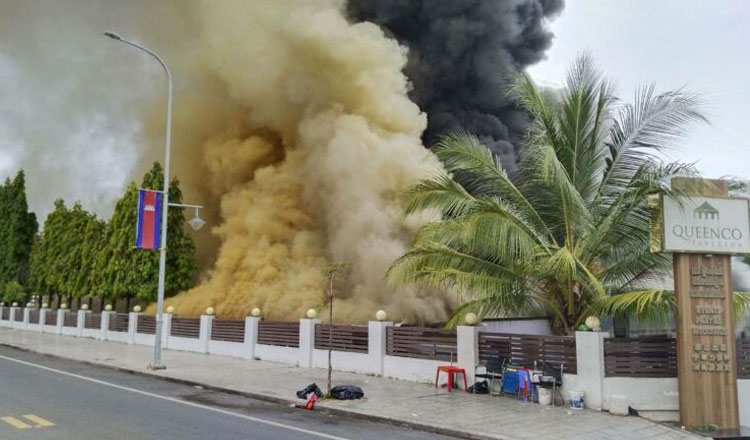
<point>148,229</point>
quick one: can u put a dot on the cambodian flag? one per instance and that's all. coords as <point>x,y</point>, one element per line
<point>148,230</point>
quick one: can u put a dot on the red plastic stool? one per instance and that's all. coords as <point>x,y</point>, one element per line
<point>451,371</point>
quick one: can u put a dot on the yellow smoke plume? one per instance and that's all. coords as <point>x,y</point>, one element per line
<point>299,131</point>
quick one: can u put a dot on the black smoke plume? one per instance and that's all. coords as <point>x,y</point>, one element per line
<point>461,55</point>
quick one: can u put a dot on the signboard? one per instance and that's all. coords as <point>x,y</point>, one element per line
<point>148,227</point>
<point>710,225</point>
<point>701,231</point>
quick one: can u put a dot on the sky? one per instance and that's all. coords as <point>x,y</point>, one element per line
<point>699,45</point>
<point>696,44</point>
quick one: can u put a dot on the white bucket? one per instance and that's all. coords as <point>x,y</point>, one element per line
<point>576,400</point>
<point>545,396</point>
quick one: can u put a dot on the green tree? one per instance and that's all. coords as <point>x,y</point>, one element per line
<point>569,231</point>
<point>17,230</point>
<point>13,292</point>
<point>124,272</point>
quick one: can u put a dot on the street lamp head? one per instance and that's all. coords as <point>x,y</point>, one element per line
<point>113,35</point>
<point>196,222</point>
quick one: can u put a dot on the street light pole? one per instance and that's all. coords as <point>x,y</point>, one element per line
<point>157,364</point>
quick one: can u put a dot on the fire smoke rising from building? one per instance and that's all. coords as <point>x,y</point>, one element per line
<point>461,54</point>
<point>292,123</point>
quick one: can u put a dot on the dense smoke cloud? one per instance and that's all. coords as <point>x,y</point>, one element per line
<point>292,124</point>
<point>461,54</point>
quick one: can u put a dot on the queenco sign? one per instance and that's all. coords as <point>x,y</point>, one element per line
<point>702,229</point>
<point>705,225</point>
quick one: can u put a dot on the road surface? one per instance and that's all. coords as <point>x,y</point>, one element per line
<point>49,398</point>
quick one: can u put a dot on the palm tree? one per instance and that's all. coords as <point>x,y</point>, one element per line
<point>568,231</point>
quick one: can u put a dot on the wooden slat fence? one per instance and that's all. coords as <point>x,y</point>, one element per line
<point>34,316</point>
<point>119,322</point>
<point>526,349</point>
<point>51,318</point>
<point>146,325</point>
<point>743,359</point>
<point>229,330</point>
<point>70,320</point>
<point>186,327</point>
<point>6,314</point>
<point>423,343</point>
<point>352,338</point>
<point>93,321</point>
<point>284,334</point>
<point>640,357</point>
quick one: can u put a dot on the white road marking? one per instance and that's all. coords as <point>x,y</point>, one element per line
<point>174,400</point>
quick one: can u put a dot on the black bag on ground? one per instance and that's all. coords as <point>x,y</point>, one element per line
<point>347,392</point>
<point>479,388</point>
<point>312,388</point>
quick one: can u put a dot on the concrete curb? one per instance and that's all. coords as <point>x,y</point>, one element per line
<point>280,400</point>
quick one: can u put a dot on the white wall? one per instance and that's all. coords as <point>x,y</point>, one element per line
<point>644,393</point>
<point>417,370</point>
<point>183,344</point>
<point>743,392</point>
<point>287,355</point>
<point>225,348</point>
<point>518,326</point>
<point>344,361</point>
<point>144,339</point>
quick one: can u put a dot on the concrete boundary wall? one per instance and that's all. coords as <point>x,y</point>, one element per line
<point>645,394</point>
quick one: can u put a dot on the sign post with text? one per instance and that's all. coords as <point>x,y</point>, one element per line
<point>702,229</point>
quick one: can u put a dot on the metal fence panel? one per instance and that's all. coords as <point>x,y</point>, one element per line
<point>146,325</point>
<point>640,357</point>
<point>229,330</point>
<point>119,322</point>
<point>420,342</point>
<point>352,338</point>
<point>93,321</point>
<point>283,334</point>
<point>186,327</point>
<point>526,349</point>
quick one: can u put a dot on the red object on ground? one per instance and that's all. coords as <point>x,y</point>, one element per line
<point>311,402</point>
<point>451,371</point>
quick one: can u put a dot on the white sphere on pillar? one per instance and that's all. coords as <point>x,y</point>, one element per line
<point>471,318</point>
<point>255,312</point>
<point>380,315</point>
<point>210,311</point>
<point>593,323</point>
<point>108,307</point>
<point>137,308</point>
<point>170,310</point>
<point>312,314</point>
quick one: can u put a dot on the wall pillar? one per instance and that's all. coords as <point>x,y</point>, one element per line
<point>104,327</point>
<point>81,321</point>
<point>205,334</point>
<point>166,329</point>
<point>132,326</point>
<point>251,336</point>
<point>467,347</point>
<point>26,312</point>
<point>42,319</point>
<point>12,316</point>
<point>307,341</point>
<point>590,364</point>
<point>60,319</point>
<point>376,349</point>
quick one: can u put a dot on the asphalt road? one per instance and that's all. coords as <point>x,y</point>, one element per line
<point>49,398</point>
